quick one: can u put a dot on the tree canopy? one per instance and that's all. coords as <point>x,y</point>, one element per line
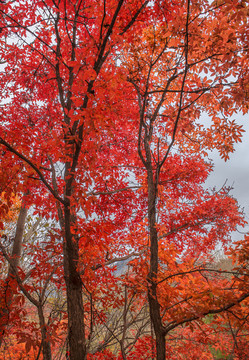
<point>104,159</point>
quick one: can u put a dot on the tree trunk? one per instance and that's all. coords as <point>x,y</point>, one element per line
<point>75,308</point>
<point>8,291</point>
<point>46,347</point>
<point>157,324</point>
<point>17,244</point>
<point>153,271</point>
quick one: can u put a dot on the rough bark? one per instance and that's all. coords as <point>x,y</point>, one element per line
<point>153,271</point>
<point>75,307</point>
<point>46,347</point>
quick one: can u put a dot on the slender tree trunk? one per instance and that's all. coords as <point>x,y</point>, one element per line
<point>153,272</point>
<point>8,289</point>
<point>46,347</point>
<point>17,244</point>
<point>75,308</point>
<point>157,325</point>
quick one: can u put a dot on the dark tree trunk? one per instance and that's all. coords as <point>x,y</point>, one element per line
<point>75,308</point>
<point>46,347</point>
<point>153,272</point>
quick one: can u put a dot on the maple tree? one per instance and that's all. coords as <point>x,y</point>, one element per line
<point>104,135</point>
<point>60,92</point>
<point>176,79</point>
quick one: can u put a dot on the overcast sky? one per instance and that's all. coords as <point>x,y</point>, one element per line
<point>235,171</point>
